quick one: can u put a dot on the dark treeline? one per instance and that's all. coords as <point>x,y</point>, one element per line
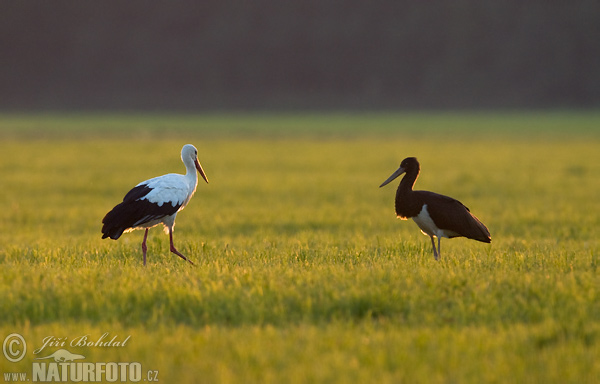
<point>271,54</point>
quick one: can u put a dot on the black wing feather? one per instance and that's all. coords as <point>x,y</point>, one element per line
<point>451,214</point>
<point>134,211</point>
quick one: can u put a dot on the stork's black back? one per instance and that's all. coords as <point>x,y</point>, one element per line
<point>451,215</point>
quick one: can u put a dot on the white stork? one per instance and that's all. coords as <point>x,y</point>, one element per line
<point>156,201</point>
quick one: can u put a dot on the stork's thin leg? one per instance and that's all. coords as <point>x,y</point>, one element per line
<point>144,248</point>
<point>175,251</point>
<point>435,254</point>
<point>439,247</point>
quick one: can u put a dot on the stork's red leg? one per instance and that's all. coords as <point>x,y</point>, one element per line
<point>144,248</point>
<point>175,251</point>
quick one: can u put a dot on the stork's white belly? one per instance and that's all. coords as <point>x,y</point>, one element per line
<point>428,227</point>
<point>167,221</point>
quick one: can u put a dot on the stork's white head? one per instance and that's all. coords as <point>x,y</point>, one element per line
<point>189,155</point>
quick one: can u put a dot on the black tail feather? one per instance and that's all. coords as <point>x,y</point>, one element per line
<point>113,223</point>
<point>479,231</point>
<point>113,233</point>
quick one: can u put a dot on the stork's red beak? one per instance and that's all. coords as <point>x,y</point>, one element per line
<point>200,170</point>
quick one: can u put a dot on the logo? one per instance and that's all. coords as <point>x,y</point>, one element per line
<point>14,347</point>
<point>65,365</point>
<point>62,356</point>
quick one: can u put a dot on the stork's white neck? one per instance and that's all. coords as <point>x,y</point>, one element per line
<point>190,173</point>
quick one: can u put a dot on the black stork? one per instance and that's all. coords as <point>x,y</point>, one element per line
<point>156,201</point>
<point>436,215</point>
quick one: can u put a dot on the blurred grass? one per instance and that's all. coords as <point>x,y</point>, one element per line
<point>526,124</point>
<point>303,273</point>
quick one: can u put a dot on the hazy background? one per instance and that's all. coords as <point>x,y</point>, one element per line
<point>300,54</point>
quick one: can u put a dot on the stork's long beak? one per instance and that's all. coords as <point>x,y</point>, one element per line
<point>398,172</point>
<point>200,170</point>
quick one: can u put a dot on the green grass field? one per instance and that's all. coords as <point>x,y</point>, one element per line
<point>303,273</point>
